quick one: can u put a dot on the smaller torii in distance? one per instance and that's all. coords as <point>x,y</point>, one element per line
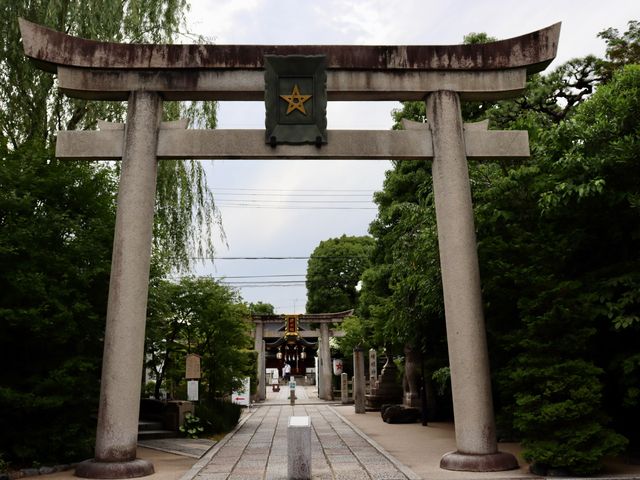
<point>264,327</point>
<point>145,75</point>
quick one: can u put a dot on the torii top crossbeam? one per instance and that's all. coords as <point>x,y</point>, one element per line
<point>108,71</point>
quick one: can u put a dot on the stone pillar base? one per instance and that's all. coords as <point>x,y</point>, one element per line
<point>468,462</point>
<point>95,469</point>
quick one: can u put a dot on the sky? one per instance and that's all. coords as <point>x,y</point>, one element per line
<point>279,208</point>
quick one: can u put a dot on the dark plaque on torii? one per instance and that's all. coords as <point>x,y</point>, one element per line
<point>295,98</point>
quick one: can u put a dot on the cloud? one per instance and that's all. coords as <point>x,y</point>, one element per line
<point>256,232</point>
<point>222,20</point>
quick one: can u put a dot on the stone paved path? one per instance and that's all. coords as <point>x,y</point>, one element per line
<point>258,449</point>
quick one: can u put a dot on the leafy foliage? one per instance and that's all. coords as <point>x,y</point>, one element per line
<point>219,416</point>
<point>192,426</point>
<point>558,245</point>
<point>56,229</point>
<point>56,223</point>
<point>333,272</point>
<point>33,109</point>
<point>198,315</point>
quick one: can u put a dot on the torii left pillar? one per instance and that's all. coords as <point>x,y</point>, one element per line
<point>117,433</point>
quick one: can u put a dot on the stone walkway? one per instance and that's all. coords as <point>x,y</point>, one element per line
<point>257,450</point>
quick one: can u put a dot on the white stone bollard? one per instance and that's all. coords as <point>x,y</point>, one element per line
<point>299,448</point>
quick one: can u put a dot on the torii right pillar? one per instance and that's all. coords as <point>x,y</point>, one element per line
<point>477,447</point>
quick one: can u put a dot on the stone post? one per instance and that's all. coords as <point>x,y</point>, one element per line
<point>373,366</point>
<point>344,388</point>
<point>469,361</point>
<point>299,448</point>
<point>358,380</point>
<point>258,346</point>
<point>326,373</point>
<point>117,433</point>
<point>412,360</point>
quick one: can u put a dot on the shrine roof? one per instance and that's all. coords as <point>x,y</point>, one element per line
<point>305,317</point>
<point>50,49</point>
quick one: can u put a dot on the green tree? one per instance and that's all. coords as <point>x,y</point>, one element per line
<point>56,232</point>
<point>622,49</point>
<point>260,308</point>
<point>33,109</point>
<point>333,272</point>
<point>56,222</point>
<point>557,239</point>
<point>199,315</point>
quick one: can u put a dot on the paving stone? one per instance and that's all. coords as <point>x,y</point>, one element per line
<point>342,459</point>
<point>213,476</point>
<point>356,475</point>
<point>258,450</point>
<point>387,475</point>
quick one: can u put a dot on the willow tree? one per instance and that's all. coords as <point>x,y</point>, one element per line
<point>56,228</point>
<point>33,109</point>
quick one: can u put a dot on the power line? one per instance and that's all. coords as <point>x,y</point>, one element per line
<point>295,189</point>
<point>297,194</point>
<point>267,286</point>
<point>277,207</point>
<point>277,258</point>
<point>257,276</point>
<point>295,202</point>
<point>269,282</point>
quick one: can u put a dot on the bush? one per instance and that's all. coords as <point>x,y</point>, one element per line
<point>218,416</point>
<point>560,419</point>
<point>37,429</point>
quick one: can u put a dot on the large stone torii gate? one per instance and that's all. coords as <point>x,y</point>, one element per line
<point>144,75</point>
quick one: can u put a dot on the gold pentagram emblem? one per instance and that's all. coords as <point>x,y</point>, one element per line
<point>295,100</point>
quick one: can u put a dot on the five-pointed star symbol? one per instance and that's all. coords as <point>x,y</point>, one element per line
<point>295,100</point>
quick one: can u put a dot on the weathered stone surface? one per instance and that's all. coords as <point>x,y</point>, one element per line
<point>258,346</point>
<point>324,356</point>
<point>467,462</point>
<point>533,50</point>
<point>299,448</point>
<point>131,469</point>
<point>399,414</point>
<point>117,430</point>
<point>358,381</point>
<point>412,379</point>
<point>249,144</point>
<point>357,85</point>
<point>108,71</point>
<point>466,337</point>
<point>473,408</point>
<point>386,389</point>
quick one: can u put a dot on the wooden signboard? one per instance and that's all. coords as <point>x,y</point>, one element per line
<point>193,367</point>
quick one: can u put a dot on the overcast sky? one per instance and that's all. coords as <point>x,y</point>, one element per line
<point>285,208</point>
